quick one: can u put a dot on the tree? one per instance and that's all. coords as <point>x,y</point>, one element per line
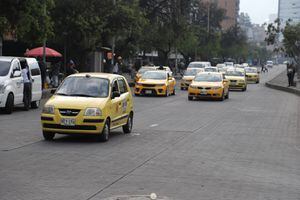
<point>26,20</point>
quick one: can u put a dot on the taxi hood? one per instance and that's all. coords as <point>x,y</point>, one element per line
<point>207,84</point>
<point>188,78</point>
<point>152,81</point>
<point>238,78</point>
<point>76,102</point>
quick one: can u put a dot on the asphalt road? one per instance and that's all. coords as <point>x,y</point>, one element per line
<point>245,148</point>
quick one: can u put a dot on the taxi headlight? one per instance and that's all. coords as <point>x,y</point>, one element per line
<point>2,88</point>
<point>49,109</point>
<point>92,112</point>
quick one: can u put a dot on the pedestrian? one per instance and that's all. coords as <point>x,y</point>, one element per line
<point>43,72</point>
<point>291,70</point>
<point>71,68</point>
<point>115,69</point>
<point>55,73</point>
<point>27,91</point>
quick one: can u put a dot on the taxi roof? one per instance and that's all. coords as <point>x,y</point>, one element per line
<point>98,75</point>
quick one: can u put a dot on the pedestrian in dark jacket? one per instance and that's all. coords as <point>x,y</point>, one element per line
<point>291,70</point>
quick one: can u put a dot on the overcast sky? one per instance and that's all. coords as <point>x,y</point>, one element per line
<point>259,10</point>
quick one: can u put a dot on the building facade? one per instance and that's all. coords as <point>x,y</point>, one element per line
<point>289,10</point>
<point>231,8</point>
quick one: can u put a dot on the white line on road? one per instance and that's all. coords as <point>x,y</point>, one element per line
<point>153,125</point>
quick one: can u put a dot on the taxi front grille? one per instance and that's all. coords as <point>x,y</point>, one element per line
<point>69,112</point>
<point>148,85</point>
<point>204,88</point>
<point>77,127</point>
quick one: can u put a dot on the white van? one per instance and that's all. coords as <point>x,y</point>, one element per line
<point>11,82</point>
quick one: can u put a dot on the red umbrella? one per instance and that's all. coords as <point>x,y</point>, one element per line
<point>38,52</point>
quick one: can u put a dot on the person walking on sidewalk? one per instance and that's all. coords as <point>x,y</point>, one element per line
<point>27,91</point>
<point>291,70</point>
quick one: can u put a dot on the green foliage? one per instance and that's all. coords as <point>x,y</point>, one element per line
<point>26,19</point>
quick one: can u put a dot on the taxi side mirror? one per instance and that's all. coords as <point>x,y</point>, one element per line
<point>115,94</point>
<point>17,73</point>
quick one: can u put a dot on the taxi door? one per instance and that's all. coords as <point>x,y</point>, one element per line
<point>116,105</point>
<point>125,99</point>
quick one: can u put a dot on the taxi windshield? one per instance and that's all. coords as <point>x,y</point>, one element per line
<point>235,73</point>
<point>143,70</point>
<point>251,70</point>
<point>196,65</point>
<point>4,68</point>
<point>210,69</point>
<point>84,87</point>
<point>157,75</point>
<point>191,72</point>
<point>208,78</point>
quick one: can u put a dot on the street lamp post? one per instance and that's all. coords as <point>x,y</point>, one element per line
<point>45,34</point>
<point>113,44</point>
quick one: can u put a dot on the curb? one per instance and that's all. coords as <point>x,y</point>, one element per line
<point>282,88</point>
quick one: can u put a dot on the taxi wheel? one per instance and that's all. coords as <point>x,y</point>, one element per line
<point>181,88</point>
<point>104,136</point>
<point>244,89</point>
<point>48,136</point>
<point>9,106</point>
<point>191,98</point>
<point>128,127</point>
<point>257,82</point>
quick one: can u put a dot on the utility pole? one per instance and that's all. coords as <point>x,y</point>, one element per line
<point>208,18</point>
<point>113,43</point>
<point>45,34</point>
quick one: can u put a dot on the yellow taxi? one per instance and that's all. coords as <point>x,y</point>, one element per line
<point>237,79</point>
<point>142,70</point>
<point>252,74</point>
<point>209,85</point>
<point>89,103</point>
<point>188,77</point>
<point>158,82</point>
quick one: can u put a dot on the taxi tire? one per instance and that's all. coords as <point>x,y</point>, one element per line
<point>48,136</point>
<point>190,98</point>
<point>244,89</point>
<point>9,105</point>
<point>104,135</point>
<point>127,128</point>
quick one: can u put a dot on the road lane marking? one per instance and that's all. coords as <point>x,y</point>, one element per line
<point>153,125</point>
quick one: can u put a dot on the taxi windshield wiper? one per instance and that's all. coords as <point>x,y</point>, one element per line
<point>81,95</point>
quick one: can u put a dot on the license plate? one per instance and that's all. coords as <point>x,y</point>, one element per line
<point>204,92</point>
<point>148,92</point>
<point>68,122</point>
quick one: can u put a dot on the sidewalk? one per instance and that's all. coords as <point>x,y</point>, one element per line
<point>281,83</point>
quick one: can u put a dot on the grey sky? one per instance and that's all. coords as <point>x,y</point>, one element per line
<point>259,10</point>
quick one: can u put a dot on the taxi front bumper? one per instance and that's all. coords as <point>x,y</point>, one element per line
<point>205,93</point>
<point>150,90</point>
<point>81,125</point>
<point>237,85</point>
